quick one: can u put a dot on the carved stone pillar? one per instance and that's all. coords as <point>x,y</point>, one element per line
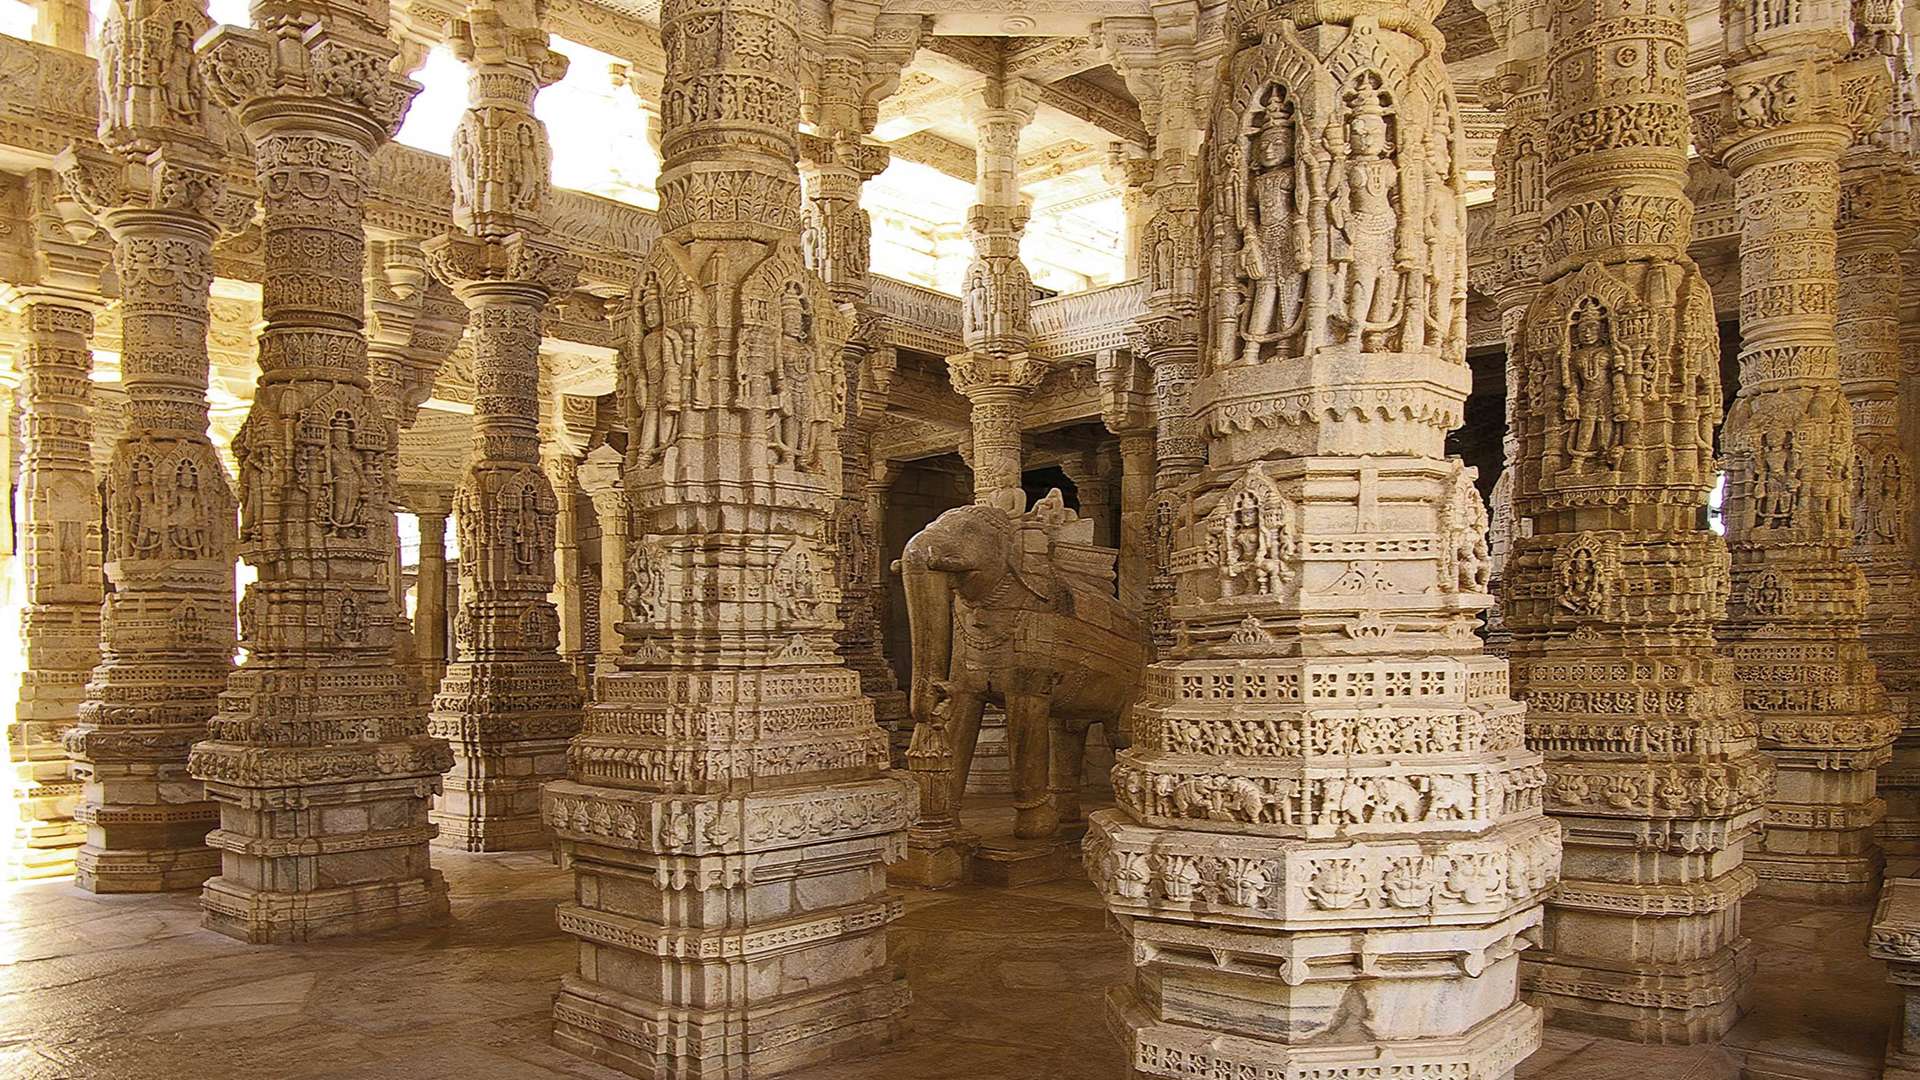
<point>1326,770</point>
<point>1092,478</point>
<point>563,473</point>
<point>63,24</point>
<point>1519,91</point>
<point>1158,57</point>
<point>168,626</point>
<point>1132,172</point>
<point>413,323</point>
<point>508,703</point>
<point>600,478</point>
<point>729,791</point>
<point>430,628</point>
<point>1136,518</point>
<point>1793,623</point>
<point>1876,222</point>
<point>995,373</point>
<point>1652,768</point>
<point>59,545</point>
<point>308,742</point>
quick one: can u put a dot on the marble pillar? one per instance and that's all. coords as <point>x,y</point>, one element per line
<point>508,703</point>
<point>1612,601</point>
<point>729,792</point>
<point>1877,221</point>
<point>569,604</point>
<point>1519,91</point>
<point>413,324</point>
<point>600,479</point>
<point>59,546</point>
<point>1793,628</point>
<point>1136,512</point>
<point>1327,778</point>
<point>323,785</point>
<point>995,374</point>
<point>431,629</point>
<point>167,637</point>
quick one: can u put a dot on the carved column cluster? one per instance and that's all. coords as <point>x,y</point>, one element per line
<point>413,323</point>
<point>861,62</point>
<point>323,783</point>
<point>507,704</point>
<point>1327,775</point>
<point>1519,91</point>
<point>1613,600</point>
<point>167,641</point>
<point>59,537</point>
<point>1159,56</point>
<point>729,791</point>
<point>1794,620</point>
<point>1877,222</point>
<point>995,374</point>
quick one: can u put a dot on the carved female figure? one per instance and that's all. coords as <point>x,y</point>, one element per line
<point>1362,205</point>
<point>1274,255</point>
<point>343,481</point>
<point>142,508</point>
<point>188,512</point>
<point>526,529</point>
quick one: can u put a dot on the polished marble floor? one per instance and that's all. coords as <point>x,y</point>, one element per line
<point>1007,984</point>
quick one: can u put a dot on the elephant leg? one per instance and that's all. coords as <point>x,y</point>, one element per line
<point>963,733</point>
<point>1029,745</point>
<point>1068,772</point>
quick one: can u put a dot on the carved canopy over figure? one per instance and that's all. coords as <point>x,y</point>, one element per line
<point>1333,202</point>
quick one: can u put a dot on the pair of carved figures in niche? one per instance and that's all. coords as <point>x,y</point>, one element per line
<point>1251,539</point>
<point>1289,185</point>
<point>336,471</point>
<point>998,295</point>
<point>1796,485</point>
<point>500,161</point>
<point>518,520</point>
<point>166,503</point>
<point>835,237</point>
<point>1881,503</point>
<point>787,373</point>
<point>148,75</point>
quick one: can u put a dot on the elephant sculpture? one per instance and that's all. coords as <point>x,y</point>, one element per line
<point>1019,610</point>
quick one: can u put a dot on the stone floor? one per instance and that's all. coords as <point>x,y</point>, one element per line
<point>1007,983</point>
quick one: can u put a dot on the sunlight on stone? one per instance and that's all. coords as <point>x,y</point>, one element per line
<point>598,129</point>
<point>919,231</point>
<point>435,112</point>
<point>16,19</point>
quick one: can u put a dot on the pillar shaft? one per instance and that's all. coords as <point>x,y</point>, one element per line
<point>508,704</point>
<point>1136,518</point>
<point>59,548</point>
<point>1323,755</point>
<point>168,626</point>
<point>1794,620</point>
<point>304,857</point>
<point>430,598</point>
<point>1612,601</point>
<point>728,791</point>
<point>1876,223</point>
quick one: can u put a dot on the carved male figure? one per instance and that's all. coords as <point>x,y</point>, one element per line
<point>1275,254</point>
<point>1362,206</point>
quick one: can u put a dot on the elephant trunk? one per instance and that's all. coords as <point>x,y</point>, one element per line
<point>929,595</point>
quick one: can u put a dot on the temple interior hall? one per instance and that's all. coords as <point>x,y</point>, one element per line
<point>910,540</point>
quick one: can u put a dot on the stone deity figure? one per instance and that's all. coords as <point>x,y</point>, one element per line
<point>526,529</point>
<point>188,514</point>
<point>343,480</point>
<point>1365,217</point>
<point>143,507</point>
<point>793,394</point>
<point>1252,544</point>
<point>1593,395</point>
<point>1273,220</point>
<point>178,83</point>
<point>1443,238</point>
<point>658,397</point>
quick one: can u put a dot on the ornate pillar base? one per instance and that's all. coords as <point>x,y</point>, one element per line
<point>1895,938</point>
<point>147,826</point>
<point>504,751</point>
<point>729,936</point>
<point>1363,990</point>
<point>47,837</point>
<point>1660,960</point>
